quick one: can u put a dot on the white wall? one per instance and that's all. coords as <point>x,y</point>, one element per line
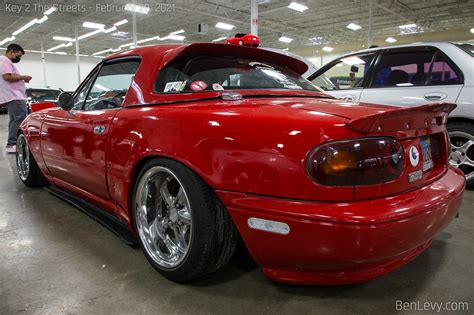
<point>61,70</point>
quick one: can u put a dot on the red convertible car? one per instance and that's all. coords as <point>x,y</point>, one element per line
<point>188,148</point>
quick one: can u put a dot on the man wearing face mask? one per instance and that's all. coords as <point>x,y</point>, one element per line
<point>13,92</point>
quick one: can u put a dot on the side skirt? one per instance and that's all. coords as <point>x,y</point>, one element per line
<point>105,218</point>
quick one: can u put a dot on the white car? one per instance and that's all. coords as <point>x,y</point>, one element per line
<point>410,75</point>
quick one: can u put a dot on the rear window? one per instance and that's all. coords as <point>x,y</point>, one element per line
<point>469,48</point>
<point>206,73</point>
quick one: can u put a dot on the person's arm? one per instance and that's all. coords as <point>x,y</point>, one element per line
<point>12,77</point>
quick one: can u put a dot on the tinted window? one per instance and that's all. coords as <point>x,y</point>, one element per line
<point>403,69</point>
<point>442,73</point>
<point>111,86</point>
<point>347,73</point>
<point>415,68</point>
<point>215,73</point>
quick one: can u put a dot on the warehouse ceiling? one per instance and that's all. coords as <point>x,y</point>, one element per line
<point>323,22</point>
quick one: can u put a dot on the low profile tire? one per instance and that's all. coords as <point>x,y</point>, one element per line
<point>461,156</point>
<point>27,169</point>
<point>183,228</point>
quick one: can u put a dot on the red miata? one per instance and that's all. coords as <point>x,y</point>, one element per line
<point>187,148</point>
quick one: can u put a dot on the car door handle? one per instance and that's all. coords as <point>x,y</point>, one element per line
<point>348,97</point>
<point>99,129</point>
<point>435,96</point>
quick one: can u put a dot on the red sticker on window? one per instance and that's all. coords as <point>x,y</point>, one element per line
<point>198,85</point>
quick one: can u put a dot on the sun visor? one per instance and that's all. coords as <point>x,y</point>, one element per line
<point>225,50</point>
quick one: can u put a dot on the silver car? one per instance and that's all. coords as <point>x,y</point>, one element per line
<point>410,75</point>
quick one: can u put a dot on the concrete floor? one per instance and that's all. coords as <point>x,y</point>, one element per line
<point>54,259</point>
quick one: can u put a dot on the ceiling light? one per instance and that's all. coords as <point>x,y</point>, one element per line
<point>297,7</point>
<point>126,45</point>
<point>408,25</point>
<point>60,53</point>
<point>43,19</point>
<point>177,32</point>
<point>93,25</point>
<point>24,27</point>
<point>122,22</point>
<point>89,34</point>
<point>50,10</point>
<point>285,39</point>
<point>63,38</point>
<point>137,8</point>
<point>353,26</point>
<point>225,26</point>
<point>174,37</point>
<point>353,60</point>
<point>102,52</point>
<point>148,39</point>
<point>56,47</point>
<point>8,39</point>
<point>328,49</point>
<point>109,30</point>
<point>219,39</point>
<point>472,30</point>
<point>390,40</point>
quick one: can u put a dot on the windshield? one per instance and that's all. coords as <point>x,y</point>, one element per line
<point>207,73</point>
<point>469,48</point>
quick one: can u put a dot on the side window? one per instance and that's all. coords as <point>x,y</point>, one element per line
<point>82,94</point>
<point>111,85</point>
<point>442,73</point>
<point>403,69</point>
<point>347,73</point>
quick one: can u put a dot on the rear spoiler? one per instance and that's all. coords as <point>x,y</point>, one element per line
<point>403,119</point>
<point>221,50</point>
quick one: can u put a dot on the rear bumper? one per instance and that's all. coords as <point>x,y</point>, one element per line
<point>344,243</point>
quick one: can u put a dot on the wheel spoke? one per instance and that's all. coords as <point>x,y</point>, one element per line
<point>466,146</point>
<point>171,246</point>
<point>166,195</point>
<point>468,162</point>
<point>454,163</point>
<point>184,215</point>
<point>156,229</point>
<point>181,197</point>
<point>179,233</point>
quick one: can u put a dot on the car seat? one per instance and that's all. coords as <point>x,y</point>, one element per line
<point>396,77</point>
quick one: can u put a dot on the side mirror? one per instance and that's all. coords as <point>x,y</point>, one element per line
<point>66,101</point>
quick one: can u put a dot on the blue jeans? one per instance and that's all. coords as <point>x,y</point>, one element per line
<point>17,112</point>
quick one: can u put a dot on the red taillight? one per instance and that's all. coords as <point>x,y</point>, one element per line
<point>356,162</point>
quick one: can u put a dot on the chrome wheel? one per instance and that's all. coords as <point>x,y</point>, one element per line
<point>22,158</point>
<point>163,215</point>
<point>462,152</point>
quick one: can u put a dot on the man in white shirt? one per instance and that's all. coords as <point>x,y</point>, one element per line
<point>13,92</point>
